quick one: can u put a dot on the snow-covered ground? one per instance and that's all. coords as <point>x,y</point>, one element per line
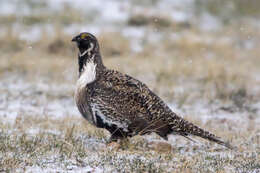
<point>206,69</point>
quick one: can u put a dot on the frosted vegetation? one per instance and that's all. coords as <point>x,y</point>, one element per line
<point>200,56</point>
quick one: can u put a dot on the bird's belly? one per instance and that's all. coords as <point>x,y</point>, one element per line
<point>83,104</point>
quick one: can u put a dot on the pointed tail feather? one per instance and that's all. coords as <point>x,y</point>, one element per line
<point>185,128</point>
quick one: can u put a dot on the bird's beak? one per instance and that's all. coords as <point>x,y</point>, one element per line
<point>75,39</point>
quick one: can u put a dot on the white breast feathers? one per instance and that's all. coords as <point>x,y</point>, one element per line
<point>88,74</point>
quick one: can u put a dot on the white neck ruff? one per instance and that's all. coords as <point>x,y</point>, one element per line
<point>88,74</point>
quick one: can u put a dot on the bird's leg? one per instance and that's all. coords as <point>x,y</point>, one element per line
<point>116,135</point>
<point>114,138</point>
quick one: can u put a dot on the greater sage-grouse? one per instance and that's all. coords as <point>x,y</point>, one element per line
<point>121,104</point>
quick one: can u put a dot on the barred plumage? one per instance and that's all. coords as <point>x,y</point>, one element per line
<point>121,104</point>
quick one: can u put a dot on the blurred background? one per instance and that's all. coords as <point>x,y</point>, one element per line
<point>200,56</point>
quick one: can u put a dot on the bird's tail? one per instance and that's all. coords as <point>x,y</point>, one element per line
<point>186,128</point>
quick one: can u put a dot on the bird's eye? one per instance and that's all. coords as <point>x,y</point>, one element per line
<point>83,36</point>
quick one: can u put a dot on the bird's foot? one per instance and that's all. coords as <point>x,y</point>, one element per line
<point>113,145</point>
<point>118,143</point>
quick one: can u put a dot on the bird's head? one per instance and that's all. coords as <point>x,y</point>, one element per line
<point>86,43</point>
<point>88,51</point>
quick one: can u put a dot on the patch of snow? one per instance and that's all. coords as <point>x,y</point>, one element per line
<point>135,35</point>
<point>7,8</point>
<point>69,169</point>
<point>209,22</point>
<point>23,98</point>
<point>180,11</point>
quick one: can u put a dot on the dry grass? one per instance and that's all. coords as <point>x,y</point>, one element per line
<point>70,141</point>
<point>114,44</point>
<point>158,22</point>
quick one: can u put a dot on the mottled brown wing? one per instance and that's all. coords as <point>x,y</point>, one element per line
<point>128,96</point>
<point>132,102</point>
